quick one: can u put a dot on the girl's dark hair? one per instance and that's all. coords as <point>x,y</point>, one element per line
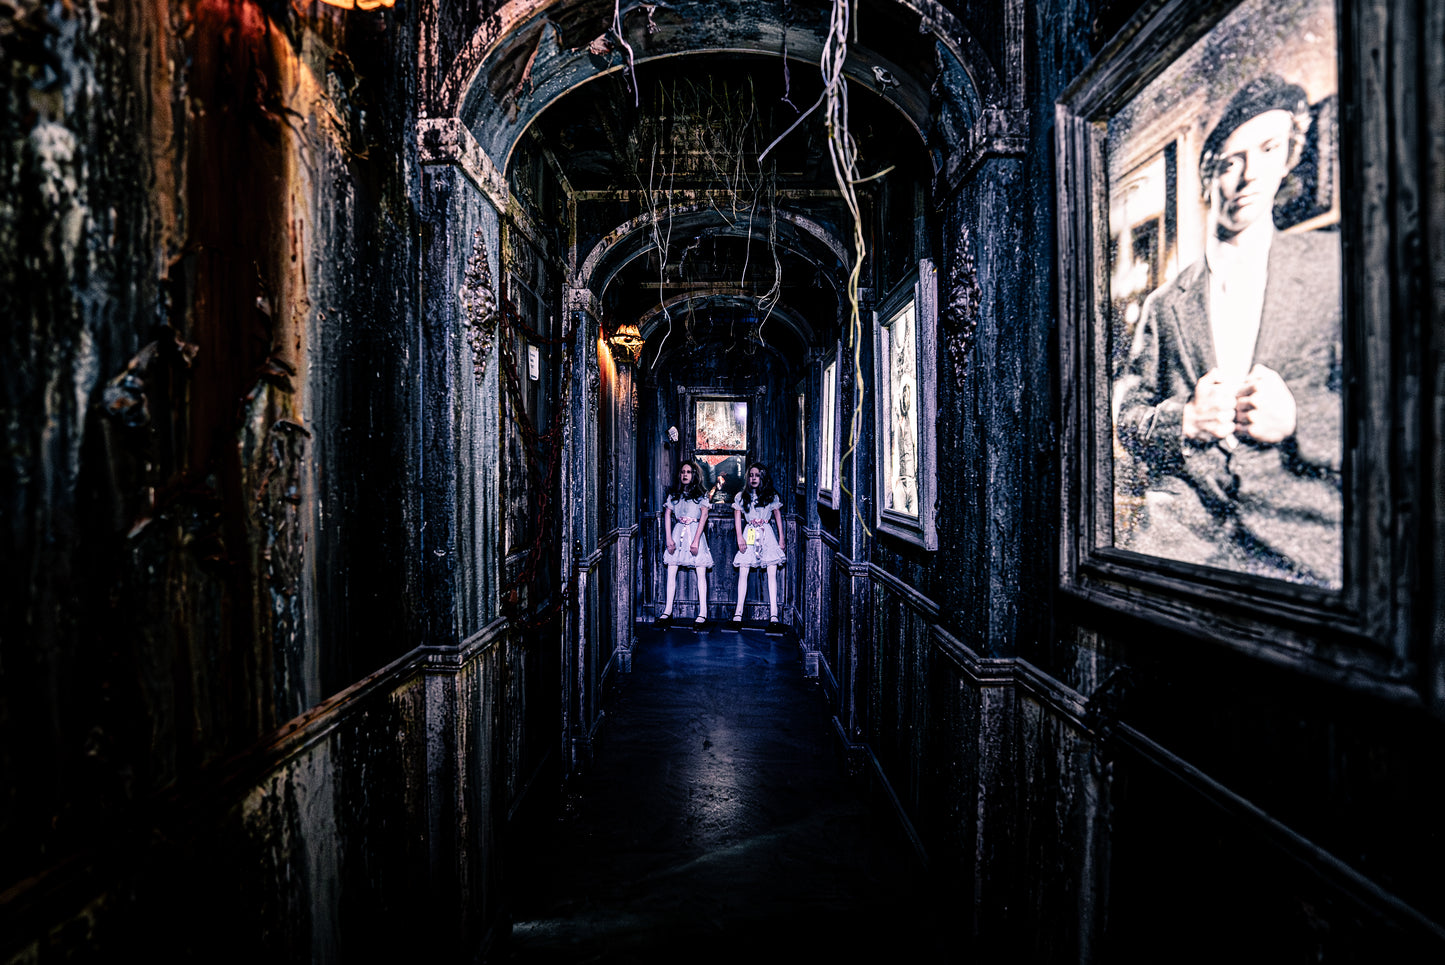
<point>765,492</point>
<point>695,490</point>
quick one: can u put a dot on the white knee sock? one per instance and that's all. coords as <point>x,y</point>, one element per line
<point>671,589</point>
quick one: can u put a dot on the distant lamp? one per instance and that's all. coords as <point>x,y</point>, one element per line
<point>628,338</point>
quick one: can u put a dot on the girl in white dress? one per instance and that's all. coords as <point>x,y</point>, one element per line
<point>684,524</point>
<point>756,511</point>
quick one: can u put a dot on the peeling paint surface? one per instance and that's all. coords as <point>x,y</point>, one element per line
<point>197,201</point>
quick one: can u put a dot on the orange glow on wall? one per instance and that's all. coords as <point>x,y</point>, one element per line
<point>360,4</point>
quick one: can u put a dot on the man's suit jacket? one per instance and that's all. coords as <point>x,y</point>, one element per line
<point>1273,509</point>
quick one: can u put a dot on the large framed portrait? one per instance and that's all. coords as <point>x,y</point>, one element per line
<point>904,408</point>
<point>1211,326</point>
<point>830,426</point>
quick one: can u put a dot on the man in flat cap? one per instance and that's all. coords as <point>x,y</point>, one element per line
<point>1231,398</point>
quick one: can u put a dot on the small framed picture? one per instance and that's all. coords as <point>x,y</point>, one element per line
<point>829,433</point>
<point>904,410</point>
<point>717,431</point>
<point>800,470</point>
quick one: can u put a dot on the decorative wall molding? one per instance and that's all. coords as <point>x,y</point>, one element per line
<point>448,659</point>
<point>583,300</point>
<point>302,732</point>
<point>998,132</point>
<point>1064,702</point>
<point>448,141</point>
<point>522,222</point>
<point>479,305</point>
<point>1322,863</point>
<point>979,671</point>
<point>960,303</point>
<point>226,783</point>
<point>617,534</point>
<point>911,596</point>
<point>1058,696</point>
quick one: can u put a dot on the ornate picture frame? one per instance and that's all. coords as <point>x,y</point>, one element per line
<point>905,409</point>
<point>1206,174</point>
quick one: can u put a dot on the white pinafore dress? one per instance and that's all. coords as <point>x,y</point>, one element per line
<point>763,549</point>
<point>686,513</point>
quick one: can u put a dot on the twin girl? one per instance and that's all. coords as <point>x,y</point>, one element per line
<point>757,512</point>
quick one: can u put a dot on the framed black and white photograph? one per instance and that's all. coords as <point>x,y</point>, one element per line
<point>903,409</point>
<point>829,433</point>
<point>1211,324</point>
<point>1225,301</point>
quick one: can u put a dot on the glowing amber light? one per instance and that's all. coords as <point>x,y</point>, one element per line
<point>627,337</point>
<point>360,4</point>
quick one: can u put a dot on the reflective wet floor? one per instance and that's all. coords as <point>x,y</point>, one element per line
<point>717,823</point>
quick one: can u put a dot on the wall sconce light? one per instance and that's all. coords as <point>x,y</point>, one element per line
<point>628,338</point>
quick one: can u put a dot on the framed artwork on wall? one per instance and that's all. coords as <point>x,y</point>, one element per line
<point>718,433</point>
<point>904,351</point>
<point>829,433</point>
<point>800,466</point>
<point>1209,330</point>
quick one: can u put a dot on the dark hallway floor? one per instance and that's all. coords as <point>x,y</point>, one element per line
<point>717,823</point>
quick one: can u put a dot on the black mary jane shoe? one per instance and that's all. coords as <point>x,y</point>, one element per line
<point>700,623</point>
<point>664,621</point>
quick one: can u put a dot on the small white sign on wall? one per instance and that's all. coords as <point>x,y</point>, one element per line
<point>534,363</point>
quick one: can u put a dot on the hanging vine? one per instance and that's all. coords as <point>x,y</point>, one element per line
<point>704,134</point>
<point>843,152</point>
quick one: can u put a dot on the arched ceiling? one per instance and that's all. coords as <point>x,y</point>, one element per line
<point>532,52</point>
<point>653,116</point>
<point>672,201</point>
<point>696,223</point>
<point>729,322</point>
